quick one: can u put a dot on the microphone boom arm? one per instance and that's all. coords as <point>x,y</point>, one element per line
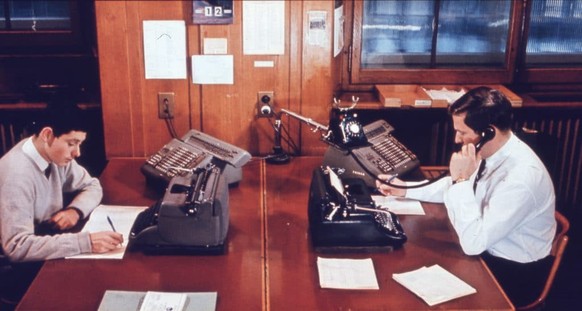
<point>318,126</point>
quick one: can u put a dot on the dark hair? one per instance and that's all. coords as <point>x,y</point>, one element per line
<point>484,107</point>
<point>62,118</point>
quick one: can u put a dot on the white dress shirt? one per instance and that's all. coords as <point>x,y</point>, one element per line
<point>511,213</point>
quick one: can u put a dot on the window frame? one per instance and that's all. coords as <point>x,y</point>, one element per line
<point>21,41</point>
<point>359,76</point>
<point>546,75</point>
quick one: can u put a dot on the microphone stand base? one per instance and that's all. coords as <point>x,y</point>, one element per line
<point>278,157</point>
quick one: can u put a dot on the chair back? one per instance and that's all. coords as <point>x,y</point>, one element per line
<point>558,247</point>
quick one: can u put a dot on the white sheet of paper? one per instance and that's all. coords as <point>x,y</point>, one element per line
<point>215,46</point>
<point>164,49</point>
<point>263,27</point>
<point>212,69</point>
<point>444,94</point>
<point>347,273</point>
<point>160,301</point>
<point>335,181</point>
<point>434,284</point>
<point>338,30</point>
<point>122,218</point>
<point>399,206</point>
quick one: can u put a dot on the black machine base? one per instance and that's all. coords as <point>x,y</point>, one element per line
<point>180,249</point>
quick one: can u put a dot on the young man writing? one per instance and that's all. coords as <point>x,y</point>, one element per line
<point>35,176</point>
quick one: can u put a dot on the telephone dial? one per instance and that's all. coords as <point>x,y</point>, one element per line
<point>346,130</point>
<point>486,135</point>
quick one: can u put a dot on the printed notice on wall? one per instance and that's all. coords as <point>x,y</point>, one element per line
<point>165,49</point>
<point>212,69</point>
<point>263,27</point>
<point>338,30</point>
<point>317,33</point>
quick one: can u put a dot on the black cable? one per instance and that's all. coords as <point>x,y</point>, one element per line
<point>367,170</point>
<point>287,140</point>
<point>170,126</point>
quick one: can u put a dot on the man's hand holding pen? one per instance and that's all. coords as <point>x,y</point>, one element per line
<point>384,187</point>
<point>106,241</point>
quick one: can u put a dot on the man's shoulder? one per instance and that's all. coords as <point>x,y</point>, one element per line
<point>15,164</point>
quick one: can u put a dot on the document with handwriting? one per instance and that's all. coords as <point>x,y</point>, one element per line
<point>346,273</point>
<point>122,219</point>
<point>434,284</point>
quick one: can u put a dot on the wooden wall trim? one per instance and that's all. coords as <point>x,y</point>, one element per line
<point>302,78</point>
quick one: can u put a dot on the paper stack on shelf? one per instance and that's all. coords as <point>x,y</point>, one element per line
<point>444,95</point>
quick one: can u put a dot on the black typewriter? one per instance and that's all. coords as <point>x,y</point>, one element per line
<point>343,216</point>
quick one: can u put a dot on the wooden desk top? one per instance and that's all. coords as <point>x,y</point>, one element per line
<point>292,263</point>
<point>71,284</point>
<point>270,264</point>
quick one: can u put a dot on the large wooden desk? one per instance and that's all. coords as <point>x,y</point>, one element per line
<point>270,264</point>
<point>292,269</point>
<point>237,277</point>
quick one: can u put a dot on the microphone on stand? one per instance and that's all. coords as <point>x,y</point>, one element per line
<point>278,156</point>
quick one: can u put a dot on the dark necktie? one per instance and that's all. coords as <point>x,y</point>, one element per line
<point>479,174</point>
<point>47,171</point>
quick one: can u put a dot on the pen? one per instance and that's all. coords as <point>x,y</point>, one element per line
<point>111,224</point>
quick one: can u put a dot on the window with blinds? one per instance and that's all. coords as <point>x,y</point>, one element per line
<point>22,15</point>
<point>555,34</point>
<point>464,42</point>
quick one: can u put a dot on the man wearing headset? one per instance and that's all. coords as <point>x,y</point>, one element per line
<point>499,197</point>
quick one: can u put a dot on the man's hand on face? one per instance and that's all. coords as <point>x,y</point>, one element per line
<point>464,162</point>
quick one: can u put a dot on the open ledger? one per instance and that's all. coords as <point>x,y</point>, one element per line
<point>346,273</point>
<point>114,300</point>
<point>434,284</point>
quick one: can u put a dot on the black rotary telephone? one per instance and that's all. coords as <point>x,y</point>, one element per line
<point>486,135</point>
<point>346,130</point>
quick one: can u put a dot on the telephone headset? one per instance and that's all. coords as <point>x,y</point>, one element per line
<point>486,135</point>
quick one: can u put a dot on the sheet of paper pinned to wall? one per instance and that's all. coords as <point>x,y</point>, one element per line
<point>212,69</point>
<point>263,27</point>
<point>317,33</point>
<point>215,46</point>
<point>165,49</point>
<point>338,30</point>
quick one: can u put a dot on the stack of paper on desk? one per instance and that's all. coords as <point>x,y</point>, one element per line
<point>434,284</point>
<point>347,273</point>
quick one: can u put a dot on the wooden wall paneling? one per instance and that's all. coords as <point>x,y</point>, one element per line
<point>137,73</point>
<point>261,133</point>
<point>152,130</point>
<point>116,94</point>
<point>317,80</point>
<point>295,32</point>
<point>194,48</point>
<point>222,108</point>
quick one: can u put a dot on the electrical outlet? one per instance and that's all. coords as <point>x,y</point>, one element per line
<point>166,105</point>
<point>265,104</point>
